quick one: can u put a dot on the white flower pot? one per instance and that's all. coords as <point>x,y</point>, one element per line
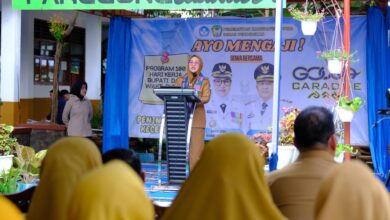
<point>335,66</point>
<point>287,154</point>
<point>340,158</point>
<point>345,115</point>
<point>5,163</point>
<point>308,27</point>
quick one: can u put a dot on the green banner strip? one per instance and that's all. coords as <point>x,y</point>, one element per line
<point>139,4</point>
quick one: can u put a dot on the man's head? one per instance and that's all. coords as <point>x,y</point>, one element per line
<point>314,129</point>
<point>65,93</point>
<point>264,76</point>
<point>126,155</point>
<point>222,74</point>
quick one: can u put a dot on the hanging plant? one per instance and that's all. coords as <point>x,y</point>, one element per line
<point>346,109</point>
<point>308,17</point>
<point>335,59</point>
<point>337,54</point>
<point>353,104</point>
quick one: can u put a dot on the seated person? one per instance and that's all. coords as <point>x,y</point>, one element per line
<point>351,191</point>
<point>127,155</point>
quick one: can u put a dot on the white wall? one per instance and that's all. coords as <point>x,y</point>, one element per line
<point>93,55</point>
<point>10,51</point>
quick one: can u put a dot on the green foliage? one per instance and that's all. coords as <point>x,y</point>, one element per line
<point>7,143</point>
<point>9,181</point>
<point>337,54</point>
<point>28,162</point>
<point>57,27</point>
<point>286,124</point>
<point>344,148</point>
<point>306,12</point>
<point>97,118</point>
<point>353,105</point>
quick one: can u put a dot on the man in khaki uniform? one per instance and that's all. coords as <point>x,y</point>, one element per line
<point>294,187</point>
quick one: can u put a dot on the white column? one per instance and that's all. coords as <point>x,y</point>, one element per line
<point>10,52</point>
<point>93,59</point>
<point>27,57</point>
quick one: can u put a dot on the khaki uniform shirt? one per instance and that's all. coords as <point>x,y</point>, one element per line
<point>295,187</point>
<point>199,120</point>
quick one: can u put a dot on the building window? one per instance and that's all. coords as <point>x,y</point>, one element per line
<point>71,67</point>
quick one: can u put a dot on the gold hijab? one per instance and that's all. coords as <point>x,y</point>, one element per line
<point>67,160</point>
<point>227,183</point>
<point>8,211</point>
<point>351,191</point>
<point>112,192</point>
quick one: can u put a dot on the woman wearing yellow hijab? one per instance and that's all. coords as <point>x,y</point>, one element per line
<point>227,183</point>
<point>112,192</point>
<point>8,211</point>
<point>67,160</point>
<point>351,191</point>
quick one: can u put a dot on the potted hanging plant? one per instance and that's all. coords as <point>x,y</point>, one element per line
<point>341,149</point>
<point>7,147</point>
<point>308,18</point>
<point>335,59</point>
<point>346,109</point>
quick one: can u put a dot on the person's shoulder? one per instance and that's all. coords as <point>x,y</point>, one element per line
<point>73,98</point>
<point>274,176</point>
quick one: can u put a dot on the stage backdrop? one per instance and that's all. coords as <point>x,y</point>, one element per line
<point>244,48</point>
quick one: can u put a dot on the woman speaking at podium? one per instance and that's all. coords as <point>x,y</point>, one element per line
<point>195,80</point>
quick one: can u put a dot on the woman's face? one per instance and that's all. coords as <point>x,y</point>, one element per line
<point>193,64</point>
<point>83,90</point>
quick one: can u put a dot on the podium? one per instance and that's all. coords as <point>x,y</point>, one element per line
<point>179,107</point>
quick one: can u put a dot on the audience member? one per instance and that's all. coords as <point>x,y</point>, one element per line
<point>65,93</point>
<point>126,155</point>
<point>351,191</point>
<point>67,160</point>
<point>227,183</point>
<point>294,187</point>
<point>8,211</point>
<point>63,96</point>
<point>112,192</point>
<point>78,112</point>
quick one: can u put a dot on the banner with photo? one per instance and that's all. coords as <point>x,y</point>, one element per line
<point>238,59</point>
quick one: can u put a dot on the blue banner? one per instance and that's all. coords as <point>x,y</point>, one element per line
<point>238,60</point>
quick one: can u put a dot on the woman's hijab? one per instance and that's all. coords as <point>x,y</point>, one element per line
<point>227,183</point>
<point>351,191</point>
<point>76,89</point>
<point>8,211</point>
<point>67,160</point>
<point>112,192</point>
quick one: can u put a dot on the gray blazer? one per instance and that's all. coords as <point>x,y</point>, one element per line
<point>77,117</point>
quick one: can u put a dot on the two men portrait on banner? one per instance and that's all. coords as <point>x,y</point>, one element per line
<point>225,113</point>
<point>229,113</point>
